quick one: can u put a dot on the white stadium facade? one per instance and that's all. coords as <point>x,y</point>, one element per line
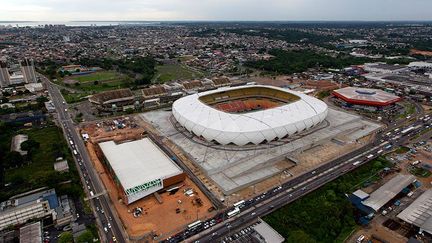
<point>248,114</point>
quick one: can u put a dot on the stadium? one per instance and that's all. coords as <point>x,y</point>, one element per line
<point>248,114</point>
<point>366,97</point>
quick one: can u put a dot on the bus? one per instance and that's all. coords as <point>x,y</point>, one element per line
<point>194,225</point>
<point>233,212</point>
<point>356,163</point>
<point>239,204</point>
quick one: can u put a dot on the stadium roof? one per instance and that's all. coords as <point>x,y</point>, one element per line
<point>388,191</point>
<point>251,127</point>
<point>364,96</point>
<point>419,213</point>
<point>138,162</point>
<point>112,96</point>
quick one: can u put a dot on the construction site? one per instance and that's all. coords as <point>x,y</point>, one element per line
<point>181,200</point>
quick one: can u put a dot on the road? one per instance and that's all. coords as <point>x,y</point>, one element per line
<point>261,205</point>
<point>109,224</point>
<point>253,208</point>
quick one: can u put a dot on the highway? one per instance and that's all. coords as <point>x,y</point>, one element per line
<point>110,227</point>
<point>277,197</point>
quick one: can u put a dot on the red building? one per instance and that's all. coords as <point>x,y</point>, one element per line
<point>368,97</point>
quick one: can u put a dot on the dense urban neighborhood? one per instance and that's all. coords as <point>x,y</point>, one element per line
<point>216,132</point>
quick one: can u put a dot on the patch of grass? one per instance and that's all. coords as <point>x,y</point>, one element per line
<point>409,110</point>
<point>324,215</point>
<point>107,85</point>
<point>402,150</point>
<point>73,98</point>
<point>170,72</point>
<point>421,172</point>
<point>40,171</point>
<point>97,76</point>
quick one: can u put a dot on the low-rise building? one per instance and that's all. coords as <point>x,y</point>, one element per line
<point>31,205</point>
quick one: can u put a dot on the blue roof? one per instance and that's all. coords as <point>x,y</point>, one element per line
<point>357,202</point>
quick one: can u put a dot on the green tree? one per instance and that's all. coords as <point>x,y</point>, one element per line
<point>30,145</point>
<point>66,237</point>
<point>13,159</point>
<point>300,236</point>
<point>86,237</point>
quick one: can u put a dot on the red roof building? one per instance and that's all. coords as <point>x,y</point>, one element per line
<point>364,96</point>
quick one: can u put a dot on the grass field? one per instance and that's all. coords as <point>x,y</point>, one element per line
<point>106,80</point>
<point>324,215</point>
<point>100,76</point>
<point>171,72</point>
<point>40,172</point>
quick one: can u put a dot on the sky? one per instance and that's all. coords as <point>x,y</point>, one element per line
<point>222,10</point>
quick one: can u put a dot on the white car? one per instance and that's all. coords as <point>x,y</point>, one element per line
<point>105,229</point>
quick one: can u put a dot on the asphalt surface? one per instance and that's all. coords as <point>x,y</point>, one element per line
<point>105,217</point>
<point>258,206</point>
<point>275,198</point>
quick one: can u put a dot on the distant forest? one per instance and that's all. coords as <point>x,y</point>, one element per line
<point>288,62</point>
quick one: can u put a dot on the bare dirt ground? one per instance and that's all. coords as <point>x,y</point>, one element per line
<point>158,219</point>
<point>379,231</point>
<point>420,52</point>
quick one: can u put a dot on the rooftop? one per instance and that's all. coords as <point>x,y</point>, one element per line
<point>268,233</point>
<point>419,213</point>
<point>388,191</point>
<point>31,233</point>
<point>138,162</point>
<point>365,95</point>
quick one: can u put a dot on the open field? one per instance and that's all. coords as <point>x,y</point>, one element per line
<point>93,83</point>
<point>40,171</point>
<point>100,76</point>
<point>171,72</point>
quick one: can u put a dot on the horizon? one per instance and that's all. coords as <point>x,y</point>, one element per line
<point>212,10</point>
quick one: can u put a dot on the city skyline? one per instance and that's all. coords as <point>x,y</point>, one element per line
<point>210,10</point>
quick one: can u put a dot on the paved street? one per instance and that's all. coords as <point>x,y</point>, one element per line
<point>109,224</point>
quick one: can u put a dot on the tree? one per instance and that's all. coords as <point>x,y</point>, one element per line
<point>13,159</point>
<point>86,237</point>
<point>300,236</point>
<point>29,145</point>
<point>96,82</point>
<point>66,237</point>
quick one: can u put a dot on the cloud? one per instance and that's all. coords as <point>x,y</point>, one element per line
<point>66,10</point>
